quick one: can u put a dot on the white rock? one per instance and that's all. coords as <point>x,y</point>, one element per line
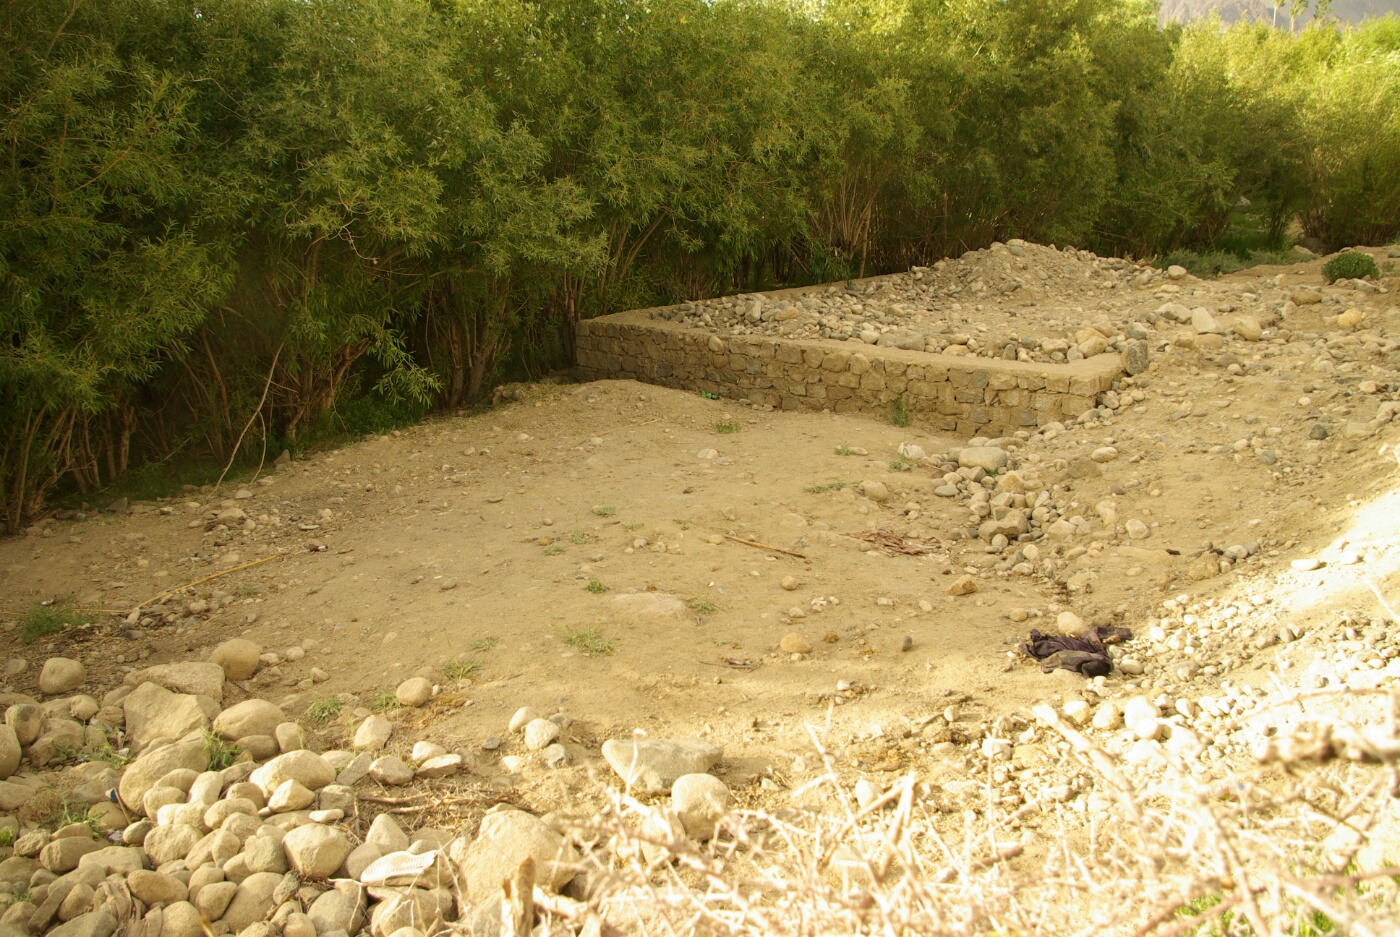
<point>316,851</point>
<point>700,801</point>
<point>372,734</point>
<point>523,717</point>
<point>390,769</point>
<point>414,692</point>
<point>987,458</point>
<point>1077,711</point>
<point>250,717</point>
<point>307,768</point>
<point>653,765</point>
<point>290,795</point>
<point>61,675</point>
<point>238,657</point>
<point>540,733</point>
<point>506,837</point>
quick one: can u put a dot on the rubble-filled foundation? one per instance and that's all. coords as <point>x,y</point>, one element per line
<point>968,395</point>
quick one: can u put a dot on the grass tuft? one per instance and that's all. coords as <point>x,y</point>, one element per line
<point>221,754</point>
<point>383,700</point>
<point>42,620</point>
<point>589,640</point>
<point>604,510</point>
<point>325,709</point>
<point>835,485</point>
<point>703,606</point>
<point>597,586</point>
<point>461,669</point>
<point>900,413</point>
<point>727,426</point>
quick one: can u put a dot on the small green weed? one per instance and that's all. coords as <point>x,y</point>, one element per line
<point>7,837</point>
<point>709,396</point>
<point>42,620</point>
<point>590,641</point>
<point>220,753</point>
<point>460,669</point>
<point>325,709</point>
<point>484,644</point>
<point>836,485</point>
<point>383,700</point>
<point>72,812</point>
<point>554,549</point>
<point>703,606</point>
<point>604,510</point>
<point>631,527</point>
<point>596,586</point>
<point>901,465</point>
<point>900,414</point>
<point>1350,265</point>
<point>685,523</point>
<point>728,426</point>
<point>113,758</point>
<point>579,537</point>
<point>845,450</point>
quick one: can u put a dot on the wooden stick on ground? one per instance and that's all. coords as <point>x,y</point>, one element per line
<point>764,546</point>
<point>169,592</point>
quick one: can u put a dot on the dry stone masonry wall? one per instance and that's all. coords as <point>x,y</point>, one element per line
<point>968,395</point>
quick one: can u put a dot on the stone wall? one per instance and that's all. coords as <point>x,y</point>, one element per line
<point>960,394</point>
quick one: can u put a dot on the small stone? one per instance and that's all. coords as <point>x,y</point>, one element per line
<point>523,717</point>
<point>239,658</point>
<point>372,734</point>
<point>316,851</point>
<point>1307,564</point>
<point>987,458</point>
<point>700,801</point>
<point>963,585</point>
<point>290,795</point>
<point>540,733</point>
<point>875,491</point>
<point>10,752</point>
<point>290,737</point>
<point>390,770</point>
<point>1077,712</point>
<point>386,833</point>
<point>1130,666</point>
<point>1350,320</point>
<point>156,888</point>
<point>61,675</point>
<point>250,717</point>
<point>440,766</point>
<point>414,692</point>
<point>307,768</point>
<point>1108,716</point>
<point>1139,708</point>
<point>653,765</point>
<point>794,643</point>
<point>1137,530</point>
<point>506,836</point>
<point>555,756</point>
<point>790,583</point>
<point>1104,454</point>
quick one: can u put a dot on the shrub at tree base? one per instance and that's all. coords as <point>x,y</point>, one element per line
<point>1350,265</point>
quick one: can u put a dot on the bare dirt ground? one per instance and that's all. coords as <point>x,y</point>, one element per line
<point>495,554</point>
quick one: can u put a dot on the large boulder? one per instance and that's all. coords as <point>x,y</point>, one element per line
<point>153,712</point>
<point>305,767</point>
<point>9,752</point>
<point>143,773</point>
<point>237,657</point>
<point>506,837</point>
<point>653,765</point>
<point>250,717</point>
<point>192,677</point>
<point>316,851</point>
<point>61,675</point>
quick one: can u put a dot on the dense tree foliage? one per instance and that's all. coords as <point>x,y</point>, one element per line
<point>225,222</point>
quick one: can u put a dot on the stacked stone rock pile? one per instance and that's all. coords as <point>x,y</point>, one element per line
<point>273,844</point>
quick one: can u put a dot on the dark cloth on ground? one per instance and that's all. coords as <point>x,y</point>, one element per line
<point>1087,655</point>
